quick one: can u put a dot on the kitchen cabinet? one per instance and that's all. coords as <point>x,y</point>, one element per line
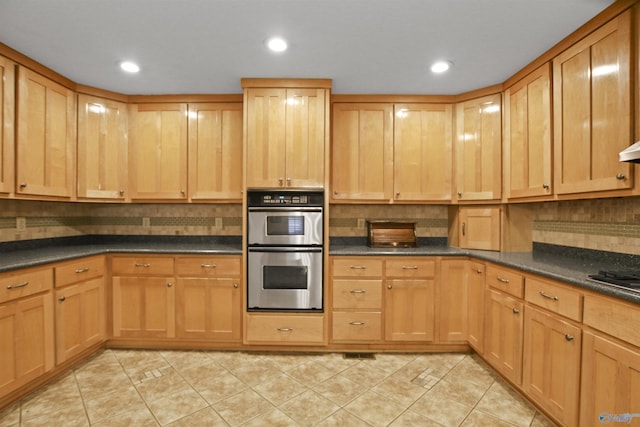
<point>409,299</point>
<point>209,298</point>
<point>158,151</point>
<point>391,152</point>
<point>102,148</point>
<point>80,306</point>
<point>289,329</point>
<point>475,305</point>
<point>143,297</point>
<point>45,138</point>
<point>286,133</point>
<point>453,300</point>
<point>215,151</point>
<point>480,227</point>
<point>26,327</point>
<point>528,143</point>
<point>7,117</point>
<point>592,102</point>
<point>478,149</point>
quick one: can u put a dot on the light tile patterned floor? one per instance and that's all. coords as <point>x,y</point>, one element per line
<point>198,388</point>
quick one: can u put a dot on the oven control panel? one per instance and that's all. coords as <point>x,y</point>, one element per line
<point>285,198</point>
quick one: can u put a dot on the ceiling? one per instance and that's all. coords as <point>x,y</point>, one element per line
<point>365,46</point>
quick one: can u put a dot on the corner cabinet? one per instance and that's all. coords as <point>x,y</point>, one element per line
<point>592,100</point>
<point>286,132</point>
<point>46,137</point>
<point>7,134</point>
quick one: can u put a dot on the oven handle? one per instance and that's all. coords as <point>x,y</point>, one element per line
<point>285,249</point>
<point>289,210</point>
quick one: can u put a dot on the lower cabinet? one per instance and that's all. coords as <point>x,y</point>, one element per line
<point>290,329</point>
<point>475,305</point>
<point>453,300</point>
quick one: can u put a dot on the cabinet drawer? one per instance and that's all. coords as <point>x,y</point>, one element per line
<point>22,283</point>
<point>616,318</point>
<point>554,297</point>
<point>278,329</point>
<point>142,266</point>
<point>505,280</point>
<point>357,293</point>
<point>357,267</point>
<point>218,266</point>
<point>411,267</point>
<point>79,271</point>
<point>357,326</point>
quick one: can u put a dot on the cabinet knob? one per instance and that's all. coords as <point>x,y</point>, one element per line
<point>568,337</point>
<point>459,193</point>
<point>280,181</point>
<point>62,298</point>
<point>545,186</point>
<point>288,182</point>
<point>183,192</point>
<point>23,185</point>
<point>235,285</point>
<point>397,194</point>
<point>516,311</point>
<point>121,193</point>
<point>478,270</point>
<point>169,284</point>
<point>389,286</point>
<point>335,193</point>
<point>621,176</point>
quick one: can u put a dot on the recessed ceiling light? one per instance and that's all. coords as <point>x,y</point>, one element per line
<point>129,67</point>
<point>276,44</point>
<point>441,66</point>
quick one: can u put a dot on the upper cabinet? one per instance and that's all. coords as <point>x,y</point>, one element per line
<point>158,151</point>
<point>592,110</point>
<point>7,100</point>
<point>391,152</point>
<point>478,149</point>
<point>285,132</point>
<point>527,136</point>
<point>215,151</point>
<point>102,148</point>
<point>45,147</point>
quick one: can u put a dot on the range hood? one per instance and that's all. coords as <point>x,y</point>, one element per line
<point>631,154</point>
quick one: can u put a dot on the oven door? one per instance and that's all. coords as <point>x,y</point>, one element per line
<point>293,226</point>
<point>284,279</point>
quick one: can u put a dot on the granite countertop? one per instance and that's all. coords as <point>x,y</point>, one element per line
<point>565,264</point>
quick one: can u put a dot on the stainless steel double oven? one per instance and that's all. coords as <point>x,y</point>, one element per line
<point>285,233</point>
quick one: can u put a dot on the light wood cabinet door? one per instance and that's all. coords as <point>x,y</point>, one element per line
<point>409,309</point>
<point>479,149</point>
<point>7,118</point>
<point>475,305</point>
<point>209,308</point>
<point>26,341</point>
<point>102,148</point>
<point>362,152</point>
<point>480,228</point>
<point>46,136</point>
<point>551,364</point>
<point>528,143</point>
<point>503,334</point>
<point>80,317</point>
<point>592,110</point>
<point>422,152</point>
<point>610,381</point>
<point>453,300</point>
<point>158,151</point>
<point>215,151</point>
<point>143,307</point>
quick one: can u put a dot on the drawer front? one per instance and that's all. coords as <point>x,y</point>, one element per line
<point>410,267</point>
<point>615,318</point>
<point>22,283</point>
<point>79,271</point>
<point>142,266</point>
<point>357,267</point>
<point>357,326</point>
<point>215,266</point>
<point>557,298</point>
<point>357,293</point>
<point>506,281</point>
<point>294,329</point>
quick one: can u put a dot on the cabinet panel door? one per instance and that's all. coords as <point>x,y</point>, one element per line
<point>409,310</point>
<point>504,329</point>
<point>475,303</point>
<point>158,151</point>
<point>362,151</point>
<point>102,148</point>
<point>422,150</point>
<point>453,300</point>
<point>480,228</point>
<point>265,137</point>
<point>7,110</point>
<point>45,148</point>
<point>215,151</point>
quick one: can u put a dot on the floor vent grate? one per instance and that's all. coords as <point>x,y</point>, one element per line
<point>368,356</point>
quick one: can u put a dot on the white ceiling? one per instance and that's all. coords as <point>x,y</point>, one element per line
<point>365,46</point>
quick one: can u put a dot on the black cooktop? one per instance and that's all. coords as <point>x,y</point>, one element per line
<point>623,279</point>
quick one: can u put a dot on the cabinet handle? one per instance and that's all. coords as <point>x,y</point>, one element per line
<point>82,270</point>
<point>358,267</point>
<point>409,267</point>
<point>169,284</point>
<point>464,226</point>
<point>121,193</point>
<point>288,182</point>
<point>357,291</point>
<point>285,329</point>
<point>356,323</point>
<point>23,185</point>
<point>568,337</point>
<point>459,193</point>
<point>516,311</point>
<point>545,186</point>
<point>62,298</point>
<point>280,181</point>
<point>139,264</point>
<point>389,286</point>
<point>183,192</point>
<point>235,285</point>
<point>547,296</point>
<point>208,265</point>
<point>479,271</point>
<point>621,176</point>
<point>397,194</point>
<point>335,193</point>
<point>502,279</point>
<point>18,285</point>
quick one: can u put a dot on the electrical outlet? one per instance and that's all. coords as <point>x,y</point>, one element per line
<point>360,222</point>
<point>21,223</point>
<point>218,222</point>
<point>146,222</point>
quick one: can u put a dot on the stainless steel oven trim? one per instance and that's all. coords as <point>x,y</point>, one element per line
<point>257,224</point>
